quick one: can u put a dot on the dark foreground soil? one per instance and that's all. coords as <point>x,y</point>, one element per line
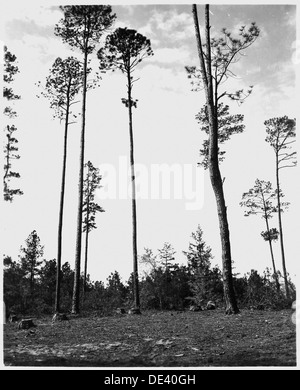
<point>156,339</point>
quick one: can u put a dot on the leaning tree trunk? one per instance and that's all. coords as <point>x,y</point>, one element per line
<point>76,288</point>
<point>273,261</point>
<point>272,255</point>
<point>133,193</point>
<point>61,208</point>
<point>217,185</point>
<point>287,292</point>
<point>214,171</point>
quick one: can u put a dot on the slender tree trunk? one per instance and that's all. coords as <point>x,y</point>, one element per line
<point>214,171</point>
<point>61,208</point>
<point>133,193</point>
<point>160,302</point>
<point>215,175</point>
<point>31,287</point>
<point>287,292</point>
<point>88,194</point>
<point>272,257</point>
<point>76,287</point>
<point>229,294</point>
<point>270,242</point>
<point>85,261</point>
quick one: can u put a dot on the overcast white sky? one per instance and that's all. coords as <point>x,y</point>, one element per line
<point>165,132</point>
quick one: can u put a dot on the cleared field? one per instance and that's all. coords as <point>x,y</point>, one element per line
<point>156,339</point>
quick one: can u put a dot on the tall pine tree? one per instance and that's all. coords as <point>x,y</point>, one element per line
<point>61,88</point>
<point>259,200</point>
<point>281,133</point>
<point>82,28</point>
<point>125,49</point>
<point>11,144</point>
<point>215,57</point>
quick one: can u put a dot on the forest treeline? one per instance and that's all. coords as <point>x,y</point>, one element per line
<point>29,283</point>
<point>33,284</point>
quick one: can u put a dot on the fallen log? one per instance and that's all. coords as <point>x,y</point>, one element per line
<point>26,324</point>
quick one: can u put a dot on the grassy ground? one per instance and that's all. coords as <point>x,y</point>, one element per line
<point>156,339</point>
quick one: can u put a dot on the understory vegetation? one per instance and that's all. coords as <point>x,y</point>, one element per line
<point>176,288</point>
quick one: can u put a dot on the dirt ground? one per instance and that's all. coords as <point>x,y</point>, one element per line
<point>156,339</point>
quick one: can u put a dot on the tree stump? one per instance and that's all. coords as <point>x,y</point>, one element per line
<point>134,310</point>
<point>60,317</point>
<point>120,310</point>
<point>13,318</point>
<point>26,324</point>
<point>195,308</point>
<point>210,305</point>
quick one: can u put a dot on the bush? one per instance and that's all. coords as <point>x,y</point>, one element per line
<point>260,291</point>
